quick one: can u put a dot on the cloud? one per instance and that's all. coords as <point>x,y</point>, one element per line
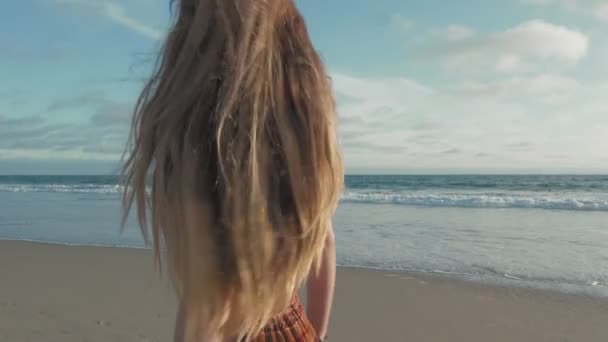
<point>507,123</point>
<point>11,125</point>
<point>118,14</point>
<point>542,86</point>
<point>515,122</point>
<point>372,105</point>
<point>112,114</point>
<point>103,136</point>
<point>452,151</point>
<point>384,90</point>
<point>514,49</point>
<point>362,145</point>
<point>521,146</point>
<point>32,132</point>
<point>351,121</point>
<point>114,12</point>
<point>594,8</point>
<point>601,11</point>
<point>509,63</point>
<point>425,125</point>
<point>76,102</point>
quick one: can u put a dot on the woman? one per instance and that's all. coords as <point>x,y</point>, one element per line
<point>234,167</point>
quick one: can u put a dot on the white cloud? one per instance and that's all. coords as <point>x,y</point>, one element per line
<point>544,86</point>
<point>517,104</point>
<point>385,90</point>
<point>114,12</point>
<point>601,11</point>
<point>118,14</point>
<point>508,63</point>
<point>514,49</point>
<point>515,123</point>
<point>596,8</point>
<point>541,39</point>
<point>547,84</point>
<point>368,109</point>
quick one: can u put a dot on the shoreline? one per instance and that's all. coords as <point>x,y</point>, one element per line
<point>61,293</point>
<point>467,279</point>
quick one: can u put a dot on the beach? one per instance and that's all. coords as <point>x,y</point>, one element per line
<point>544,232</point>
<point>66,293</point>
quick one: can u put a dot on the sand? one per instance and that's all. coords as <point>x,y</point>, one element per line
<point>60,293</point>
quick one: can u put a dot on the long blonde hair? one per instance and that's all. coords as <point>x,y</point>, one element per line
<point>233,162</point>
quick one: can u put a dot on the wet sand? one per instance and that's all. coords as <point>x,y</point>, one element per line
<point>58,293</point>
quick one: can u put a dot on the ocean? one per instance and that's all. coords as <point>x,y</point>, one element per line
<point>539,231</point>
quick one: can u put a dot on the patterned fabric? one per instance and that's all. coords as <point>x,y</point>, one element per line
<point>292,326</point>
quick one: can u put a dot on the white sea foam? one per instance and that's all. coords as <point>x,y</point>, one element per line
<point>62,188</point>
<point>499,199</point>
<point>560,201</point>
<point>560,250</point>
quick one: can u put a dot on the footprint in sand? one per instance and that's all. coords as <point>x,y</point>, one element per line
<point>7,304</point>
<point>102,323</point>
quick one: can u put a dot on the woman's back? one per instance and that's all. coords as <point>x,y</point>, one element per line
<point>233,162</point>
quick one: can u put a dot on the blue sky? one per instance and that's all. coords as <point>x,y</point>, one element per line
<point>422,86</point>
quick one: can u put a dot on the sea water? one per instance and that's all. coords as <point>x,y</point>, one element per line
<point>536,231</point>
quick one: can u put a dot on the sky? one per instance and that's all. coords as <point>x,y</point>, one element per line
<point>434,86</point>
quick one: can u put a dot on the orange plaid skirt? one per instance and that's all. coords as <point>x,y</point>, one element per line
<point>291,326</point>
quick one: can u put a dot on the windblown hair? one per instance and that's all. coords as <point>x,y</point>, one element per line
<point>233,161</point>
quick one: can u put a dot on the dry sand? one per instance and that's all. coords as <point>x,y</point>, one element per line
<point>57,293</point>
